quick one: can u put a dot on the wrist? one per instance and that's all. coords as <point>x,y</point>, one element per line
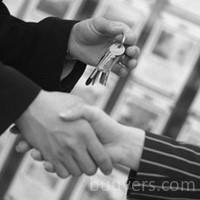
<point>35,105</point>
<point>132,147</point>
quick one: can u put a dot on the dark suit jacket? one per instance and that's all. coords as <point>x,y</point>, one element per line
<point>35,53</point>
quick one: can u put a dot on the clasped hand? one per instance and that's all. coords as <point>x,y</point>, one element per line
<point>73,147</point>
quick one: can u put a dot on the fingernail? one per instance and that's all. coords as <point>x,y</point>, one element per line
<point>108,172</point>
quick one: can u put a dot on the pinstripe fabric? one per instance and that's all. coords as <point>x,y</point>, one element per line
<point>168,170</point>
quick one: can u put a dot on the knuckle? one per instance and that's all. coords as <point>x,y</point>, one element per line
<point>102,161</point>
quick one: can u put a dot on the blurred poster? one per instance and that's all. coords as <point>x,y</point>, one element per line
<point>169,55</point>
<point>125,12</point>
<point>40,9</point>
<point>86,9</point>
<point>14,6</point>
<point>182,6</point>
<point>33,182</point>
<point>139,107</point>
<point>96,94</point>
<point>56,8</point>
<point>195,107</point>
<point>100,187</point>
<point>190,132</point>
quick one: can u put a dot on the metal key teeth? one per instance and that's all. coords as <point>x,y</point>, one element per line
<point>103,78</point>
<point>107,62</point>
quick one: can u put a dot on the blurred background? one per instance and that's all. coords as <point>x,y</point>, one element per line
<point>161,95</point>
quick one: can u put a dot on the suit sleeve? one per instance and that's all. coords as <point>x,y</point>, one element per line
<point>37,50</point>
<point>168,170</point>
<point>16,94</point>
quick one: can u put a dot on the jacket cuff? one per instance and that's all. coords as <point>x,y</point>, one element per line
<point>69,82</point>
<point>17,93</point>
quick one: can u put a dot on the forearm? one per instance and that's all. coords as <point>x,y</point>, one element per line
<point>17,92</point>
<point>166,166</point>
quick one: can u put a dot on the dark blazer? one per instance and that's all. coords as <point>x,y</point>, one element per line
<point>35,54</point>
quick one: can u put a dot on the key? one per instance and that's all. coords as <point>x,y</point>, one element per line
<point>106,63</point>
<point>100,67</point>
<point>117,50</point>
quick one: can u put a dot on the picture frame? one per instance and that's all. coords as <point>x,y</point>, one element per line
<point>39,9</point>
<point>32,182</point>
<point>100,187</point>
<point>190,132</point>
<point>142,108</point>
<point>171,49</point>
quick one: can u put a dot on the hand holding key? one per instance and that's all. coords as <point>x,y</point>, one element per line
<point>108,61</point>
<point>91,39</point>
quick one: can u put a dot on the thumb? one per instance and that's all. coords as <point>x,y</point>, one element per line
<point>107,27</point>
<point>90,113</point>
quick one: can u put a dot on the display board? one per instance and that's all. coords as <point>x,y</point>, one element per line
<point>39,9</point>
<point>133,14</point>
<point>14,6</point>
<point>189,7</point>
<point>169,55</point>
<point>100,187</point>
<point>142,108</point>
<point>33,182</point>
<point>190,132</point>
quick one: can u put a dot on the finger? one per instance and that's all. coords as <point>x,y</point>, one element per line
<point>85,163</point>
<point>132,52</point>
<point>99,155</point>
<point>130,38</point>
<point>71,166</point>
<point>36,155</point>
<point>49,167</point>
<point>104,27</point>
<point>132,63</point>
<point>90,113</point>
<point>61,171</point>
<point>22,147</point>
<point>123,67</point>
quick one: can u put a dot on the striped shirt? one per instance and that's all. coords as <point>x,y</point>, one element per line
<point>169,170</point>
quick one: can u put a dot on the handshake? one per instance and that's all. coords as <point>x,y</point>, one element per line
<point>70,136</point>
<point>74,138</point>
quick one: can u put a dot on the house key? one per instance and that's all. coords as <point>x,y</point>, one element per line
<point>107,62</point>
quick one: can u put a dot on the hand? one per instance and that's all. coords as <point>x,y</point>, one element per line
<point>70,146</point>
<point>90,39</point>
<point>123,144</point>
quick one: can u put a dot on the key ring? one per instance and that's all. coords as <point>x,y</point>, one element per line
<point>123,39</point>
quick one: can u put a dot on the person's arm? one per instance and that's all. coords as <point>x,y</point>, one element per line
<point>38,50</point>
<point>167,170</point>
<point>161,168</point>
<point>16,94</point>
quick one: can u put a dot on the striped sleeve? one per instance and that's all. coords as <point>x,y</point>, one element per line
<point>168,170</point>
